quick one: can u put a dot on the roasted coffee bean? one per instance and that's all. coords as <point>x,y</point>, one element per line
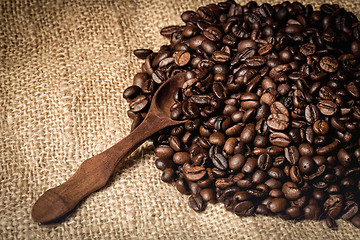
<point>219,161</point>
<point>278,121</point>
<point>312,113</point>
<point>291,191</point>
<point>182,58</point>
<point>195,173</point>
<point>181,157</point>
<point>306,165</point>
<point>279,139</point>
<point>142,53</point>
<point>197,203</point>
<point>248,133</point>
<point>277,205</point>
<point>244,208</point>
<point>168,175</point>
<point>329,64</point>
<point>292,155</point>
<point>327,107</point>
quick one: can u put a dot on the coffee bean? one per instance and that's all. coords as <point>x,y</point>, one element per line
<point>279,108</point>
<point>182,58</point>
<point>278,121</point>
<point>312,113</point>
<point>277,205</point>
<point>308,49</point>
<point>329,64</point>
<point>195,173</point>
<point>356,220</point>
<point>181,157</point>
<point>244,208</point>
<point>168,175</point>
<point>279,139</point>
<point>236,162</point>
<point>306,165</point>
<point>291,191</point>
<point>292,155</point>
<point>219,161</point>
<point>196,202</point>
<point>248,133</point>
<point>327,107</point>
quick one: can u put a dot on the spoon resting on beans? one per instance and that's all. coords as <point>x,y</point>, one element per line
<point>95,172</point>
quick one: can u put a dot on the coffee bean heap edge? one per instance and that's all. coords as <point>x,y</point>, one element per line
<point>271,100</point>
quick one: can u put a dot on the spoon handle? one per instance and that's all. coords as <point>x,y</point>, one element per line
<point>94,172</point>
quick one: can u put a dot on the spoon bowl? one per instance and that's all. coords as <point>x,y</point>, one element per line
<point>95,172</point>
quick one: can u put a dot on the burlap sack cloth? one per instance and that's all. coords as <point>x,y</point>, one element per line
<point>64,66</point>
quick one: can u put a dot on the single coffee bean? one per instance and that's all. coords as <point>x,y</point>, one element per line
<point>292,155</point>
<point>168,175</point>
<point>327,107</point>
<point>195,173</point>
<point>329,64</point>
<point>182,58</point>
<point>321,127</point>
<point>291,191</point>
<point>279,139</point>
<point>278,121</point>
<point>306,165</point>
<point>248,133</point>
<point>219,161</point>
<point>196,203</point>
<point>142,53</point>
<point>277,205</point>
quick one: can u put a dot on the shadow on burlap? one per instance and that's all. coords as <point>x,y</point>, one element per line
<point>64,66</point>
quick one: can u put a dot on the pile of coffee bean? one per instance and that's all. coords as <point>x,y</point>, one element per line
<point>272,103</point>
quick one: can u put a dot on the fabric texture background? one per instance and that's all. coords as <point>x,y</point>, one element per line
<point>64,66</point>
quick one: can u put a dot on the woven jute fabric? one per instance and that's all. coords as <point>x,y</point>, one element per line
<point>64,66</point>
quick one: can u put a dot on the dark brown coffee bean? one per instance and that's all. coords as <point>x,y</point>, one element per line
<point>279,108</point>
<point>327,107</point>
<point>278,121</point>
<point>248,133</point>
<point>329,64</point>
<point>255,61</point>
<point>292,155</point>
<point>306,149</point>
<point>291,191</point>
<point>142,53</point>
<point>168,31</point>
<point>213,34</point>
<point>181,157</point>
<point>276,173</point>
<point>164,152</point>
<point>208,195</point>
<point>356,220</point>
<point>219,161</point>
<point>279,139</point>
<point>306,165</point>
<point>246,44</point>
<point>221,56</point>
<point>195,173</point>
<point>182,186</point>
<point>308,49</point>
<point>344,157</point>
<point>217,138</point>
<point>277,205</point>
<point>182,58</point>
<point>250,165</point>
<point>236,162</point>
<point>168,175</point>
<point>312,211</point>
<point>244,208</point>
<point>139,103</point>
<point>196,203</point>
<point>131,92</point>
<point>295,175</point>
<point>312,113</point>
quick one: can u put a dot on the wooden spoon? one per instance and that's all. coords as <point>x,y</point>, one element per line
<point>96,171</point>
